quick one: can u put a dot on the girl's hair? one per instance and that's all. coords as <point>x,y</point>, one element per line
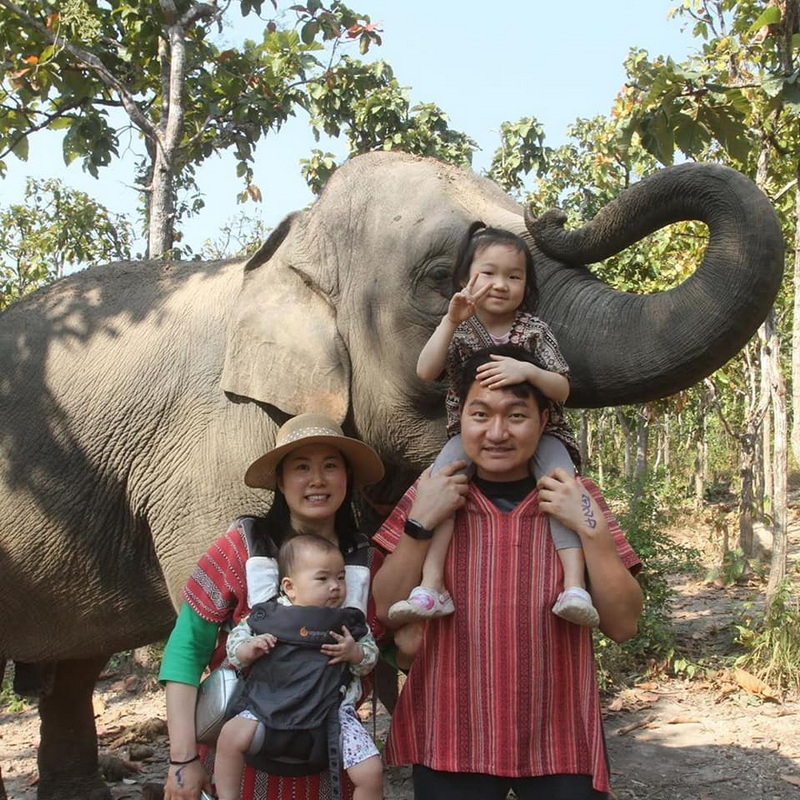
<point>477,239</point>
<point>278,521</point>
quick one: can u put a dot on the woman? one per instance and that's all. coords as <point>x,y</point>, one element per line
<point>312,470</point>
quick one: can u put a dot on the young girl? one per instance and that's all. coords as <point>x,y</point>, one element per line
<point>495,296</point>
<point>312,573</point>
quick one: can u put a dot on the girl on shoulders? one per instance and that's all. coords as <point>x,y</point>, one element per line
<point>494,300</point>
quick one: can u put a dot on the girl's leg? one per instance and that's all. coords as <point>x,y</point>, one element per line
<point>433,568</point>
<point>431,598</point>
<point>549,456</point>
<point>574,604</point>
<point>367,778</point>
<point>574,566</point>
<point>234,741</point>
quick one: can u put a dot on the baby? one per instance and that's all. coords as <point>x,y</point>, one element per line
<point>312,573</point>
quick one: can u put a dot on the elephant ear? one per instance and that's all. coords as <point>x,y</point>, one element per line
<point>283,345</point>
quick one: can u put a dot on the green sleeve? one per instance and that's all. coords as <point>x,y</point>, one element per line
<point>389,655</point>
<point>188,648</point>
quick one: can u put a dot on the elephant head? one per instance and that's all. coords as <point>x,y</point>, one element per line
<point>337,303</point>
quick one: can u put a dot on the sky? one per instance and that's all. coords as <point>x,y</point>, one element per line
<point>482,63</point>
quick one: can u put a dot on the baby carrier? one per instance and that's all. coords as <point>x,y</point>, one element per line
<point>293,691</point>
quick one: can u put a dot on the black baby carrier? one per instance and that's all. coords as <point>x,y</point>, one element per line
<point>294,692</point>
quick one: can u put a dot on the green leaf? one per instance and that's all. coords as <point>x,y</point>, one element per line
<point>309,31</point>
<point>771,15</point>
<point>20,149</point>
<point>773,85</point>
<point>791,99</point>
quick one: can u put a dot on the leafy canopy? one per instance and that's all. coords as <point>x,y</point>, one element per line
<point>53,230</point>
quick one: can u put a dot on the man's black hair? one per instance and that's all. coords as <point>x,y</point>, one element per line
<point>469,373</point>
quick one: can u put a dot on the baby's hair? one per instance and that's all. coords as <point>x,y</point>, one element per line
<point>477,239</point>
<point>469,373</point>
<point>293,549</point>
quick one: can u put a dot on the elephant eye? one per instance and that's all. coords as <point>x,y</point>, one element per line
<point>441,277</point>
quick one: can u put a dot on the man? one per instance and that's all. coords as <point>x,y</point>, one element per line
<point>503,693</point>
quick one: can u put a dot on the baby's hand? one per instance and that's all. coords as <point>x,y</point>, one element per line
<point>462,304</point>
<point>255,647</point>
<point>503,371</point>
<point>346,648</point>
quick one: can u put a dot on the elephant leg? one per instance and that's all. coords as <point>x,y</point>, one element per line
<point>68,746</point>
<point>33,680</point>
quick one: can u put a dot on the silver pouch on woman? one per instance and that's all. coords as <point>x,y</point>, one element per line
<point>214,695</point>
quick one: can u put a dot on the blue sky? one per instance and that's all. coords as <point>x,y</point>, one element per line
<point>482,63</point>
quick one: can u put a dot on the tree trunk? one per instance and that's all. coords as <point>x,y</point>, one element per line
<point>764,483</point>
<point>746,458</point>
<point>642,444</point>
<point>161,210</point>
<point>796,327</point>
<point>777,571</point>
<point>583,437</point>
<point>699,457</point>
<point>161,205</point>
<point>627,434</point>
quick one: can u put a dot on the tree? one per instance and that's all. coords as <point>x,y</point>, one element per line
<point>56,229</point>
<point>738,100</point>
<point>98,70</point>
<point>367,104</point>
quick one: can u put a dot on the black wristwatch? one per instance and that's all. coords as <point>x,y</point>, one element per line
<point>416,530</point>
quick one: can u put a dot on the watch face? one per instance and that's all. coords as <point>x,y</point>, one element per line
<point>416,531</point>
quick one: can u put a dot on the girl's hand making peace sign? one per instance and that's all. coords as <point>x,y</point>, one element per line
<point>462,304</point>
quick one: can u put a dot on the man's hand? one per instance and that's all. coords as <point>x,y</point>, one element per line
<point>439,495</point>
<point>255,647</point>
<point>564,497</point>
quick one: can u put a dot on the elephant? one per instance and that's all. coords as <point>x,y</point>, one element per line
<point>133,395</point>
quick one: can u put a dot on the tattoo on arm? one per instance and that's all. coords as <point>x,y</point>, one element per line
<point>588,514</point>
<point>179,776</point>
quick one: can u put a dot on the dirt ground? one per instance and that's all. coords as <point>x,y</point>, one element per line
<point>710,738</point>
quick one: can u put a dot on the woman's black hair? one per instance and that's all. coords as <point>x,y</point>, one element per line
<point>278,521</point>
<point>477,239</point>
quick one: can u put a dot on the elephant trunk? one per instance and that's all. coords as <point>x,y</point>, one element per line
<point>626,348</point>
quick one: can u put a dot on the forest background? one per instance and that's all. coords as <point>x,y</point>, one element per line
<point>176,98</point>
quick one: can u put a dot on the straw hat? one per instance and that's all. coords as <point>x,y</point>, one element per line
<point>307,429</point>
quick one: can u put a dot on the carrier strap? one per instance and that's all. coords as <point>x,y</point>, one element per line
<point>335,753</point>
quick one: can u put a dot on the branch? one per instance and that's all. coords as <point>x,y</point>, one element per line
<point>712,391</point>
<point>785,189</point>
<point>92,62</point>
<point>198,11</point>
<point>45,123</point>
<point>196,138</point>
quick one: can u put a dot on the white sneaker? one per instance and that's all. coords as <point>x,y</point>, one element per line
<point>422,603</point>
<point>575,605</point>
